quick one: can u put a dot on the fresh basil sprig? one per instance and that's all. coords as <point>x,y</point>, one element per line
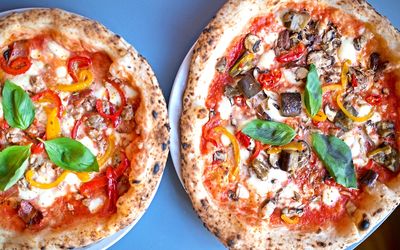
<point>13,163</point>
<point>268,132</point>
<point>19,111</point>
<point>336,157</point>
<point>71,155</point>
<point>313,92</point>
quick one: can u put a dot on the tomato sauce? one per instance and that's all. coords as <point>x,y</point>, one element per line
<point>248,209</point>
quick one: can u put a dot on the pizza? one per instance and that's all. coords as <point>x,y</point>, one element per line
<point>290,123</point>
<point>84,131</point>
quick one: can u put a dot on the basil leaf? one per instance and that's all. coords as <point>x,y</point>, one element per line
<point>267,132</point>
<point>71,155</point>
<point>336,157</point>
<point>19,111</point>
<point>313,92</point>
<point>13,163</point>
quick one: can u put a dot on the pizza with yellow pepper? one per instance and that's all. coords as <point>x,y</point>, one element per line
<point>84,131</point>
<point>290,123</point>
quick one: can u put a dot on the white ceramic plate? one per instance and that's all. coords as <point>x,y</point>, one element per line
<point>175,110</point>
<point>112,239</point>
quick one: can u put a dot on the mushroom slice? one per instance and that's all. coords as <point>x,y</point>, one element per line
<point>369,178</point>
<point>296,21</point>
<point>386,156</point>
<point>253,44</point>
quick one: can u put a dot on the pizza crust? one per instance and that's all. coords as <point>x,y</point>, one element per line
<point>150,151</point>
<point>231,21</point>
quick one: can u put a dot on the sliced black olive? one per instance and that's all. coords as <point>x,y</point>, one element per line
<point>249,86</point>
<point>369,178</point>
<point>290,104</point>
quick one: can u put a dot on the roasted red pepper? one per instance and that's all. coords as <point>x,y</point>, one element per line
<point>76,63</point>
<point>101,181</point>
<point>354,82</point>
<point>270,79</point>
<point>374,99</point>
<point>50,97</point>
<point>243,139</point>
<point>112,191</point>
<point>292,55</point>
<point>257,149</point>
<point>239,101</point>
<point>113,116</point>
<point>37,148</point>
<point>17,66</point>
<point>74,131</point>
<point>208,132</point>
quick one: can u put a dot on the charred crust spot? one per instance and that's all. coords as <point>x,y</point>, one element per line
<point>321,244</point>
<point>164,146</point>
<point>378,211</point>
<point>319,230</point>
<point>230,242</point>
<point>167,126</point>
<point>203,202</point>
<point>135,181</point>
<point>364,224</point>
<point>185,145</point>
<point>155,114</point>
<point>156,168</point>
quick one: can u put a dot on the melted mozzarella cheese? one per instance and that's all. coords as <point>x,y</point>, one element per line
<point>1,108</point>
<point>347,50</point>
<point>356,141</point>
<point>35,54</point>
<point>61,72</point>
<point>100,92</point>
<point>95,204</point>
<point>67,125</point>
<point>273,112</point>
<point>274,181</point>
<point>330,196</point>
<point>267,60</point>
<point>269,37</point>
<point>115,98</point>
<point>242,192</point>
<point>225,108</point>
<point>58,50</point>
<point>87,142</point>
<point>129,92</point>
<point>22,81</point>
<point>287,194</point>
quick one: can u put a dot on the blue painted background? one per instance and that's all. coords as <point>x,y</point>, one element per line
<point>163,31</point>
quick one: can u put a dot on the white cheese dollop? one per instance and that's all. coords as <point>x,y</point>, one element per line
<point>330,196</point>
<point>347,50</point>
<point>225,108</point>
<point>58,50</point>
<point>266,60</point>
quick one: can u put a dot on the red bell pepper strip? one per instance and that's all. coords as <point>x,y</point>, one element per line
<point>256,151</point>
<point>75,63</point>
<point>270,79</point>
<point>74,131</point>
<point>354,82</point>
<point>17,66</point>
<point>374,99</point>
<point>37,148</point>
<point>113,116</point>
<point>243,139</point>
<point>112,191</point>
<point>292,55</point>
<point>101,181</point>
<point>51,97</point>
<point>207,132</point>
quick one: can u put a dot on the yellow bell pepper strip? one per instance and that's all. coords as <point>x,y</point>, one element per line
<point>331,87</point>
<point>295,146</point>
<point>50,97</point>
<point>236,149</point>
<point>343,77</point>
<point>109,151</point>
<point>348,114</point>
<point>85,80</point>
<point>318,117</point>
<point>293,220</point>
<point>53,127</point>
<point>84,177</point>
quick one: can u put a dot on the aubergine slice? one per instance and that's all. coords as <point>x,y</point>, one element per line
<point>291,104</point>
<point>249,86</point>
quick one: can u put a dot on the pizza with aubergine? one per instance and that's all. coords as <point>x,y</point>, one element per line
<point>84,131</point>
<point>290,123</point>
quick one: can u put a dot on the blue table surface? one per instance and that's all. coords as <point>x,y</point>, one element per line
<point>163,31</point>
